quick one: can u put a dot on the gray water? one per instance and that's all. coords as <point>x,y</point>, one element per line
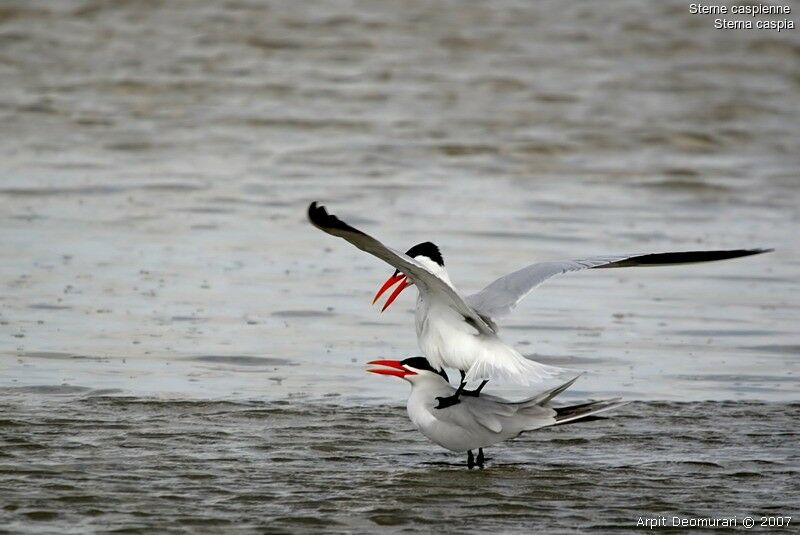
<point>180,349</point>
<point>139,464</point>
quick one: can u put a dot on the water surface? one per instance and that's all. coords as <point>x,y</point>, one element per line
<point>180,349</point>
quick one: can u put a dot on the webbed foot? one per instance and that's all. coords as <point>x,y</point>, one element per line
<point>449,401</point>
<point>474,393</point>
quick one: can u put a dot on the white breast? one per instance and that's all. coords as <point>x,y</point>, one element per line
<point>447,340</point>
<point>446,434</point>
<point>444,337</point>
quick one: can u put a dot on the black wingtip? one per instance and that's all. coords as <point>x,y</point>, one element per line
<point>683,257</point>
<point>312,210</point>
<point>321,219</point>
<point>739,253</point>
<point>319,216</point>
<point>751,252</point>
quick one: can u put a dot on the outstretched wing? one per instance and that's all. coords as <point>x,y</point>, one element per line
<point>501,296</point>
<point>427,283</point>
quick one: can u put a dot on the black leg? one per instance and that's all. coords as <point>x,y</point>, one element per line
<point>463,374</point>
<point>476,392</point>
<point>449,401</point>
<point>470,460</point>
<point>480,457</point>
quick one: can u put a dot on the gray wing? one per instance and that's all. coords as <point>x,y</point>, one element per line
<point>495,414</point>
<point>501,296</point>
<point>478,411</point>
<point>426,282</point>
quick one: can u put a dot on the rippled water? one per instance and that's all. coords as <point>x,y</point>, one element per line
<point>96,462</point>
<point>179,348</point>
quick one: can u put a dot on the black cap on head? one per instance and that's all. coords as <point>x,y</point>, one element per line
<point>421,363</point>
<point>427,249</point>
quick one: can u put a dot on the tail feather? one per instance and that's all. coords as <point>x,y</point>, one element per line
<point>584,411</point>
<point>542,398</point>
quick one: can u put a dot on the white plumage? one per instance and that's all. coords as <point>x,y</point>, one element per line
<point>448,341</point>
<point>479,422</point>
<point>460,332</point>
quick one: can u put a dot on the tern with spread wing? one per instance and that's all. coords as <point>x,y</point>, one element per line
<point>460,331</point>
<point>478,422</point>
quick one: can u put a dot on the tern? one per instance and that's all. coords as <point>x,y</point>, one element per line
<point>461,331</point>
<point>478,422</point>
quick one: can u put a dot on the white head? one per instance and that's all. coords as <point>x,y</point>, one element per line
<point>413,369</point>
<point>427,254</point>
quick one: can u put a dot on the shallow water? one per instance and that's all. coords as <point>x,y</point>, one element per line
<point>167,310</point>
<point>95,462</point>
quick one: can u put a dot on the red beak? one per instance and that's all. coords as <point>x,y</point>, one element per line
<point>391,281</point>
<point>397,368</point>
<point>400,287</point>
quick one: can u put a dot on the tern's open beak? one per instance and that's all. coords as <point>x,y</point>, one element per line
<point>391,281</point>
<point>397,368</point>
